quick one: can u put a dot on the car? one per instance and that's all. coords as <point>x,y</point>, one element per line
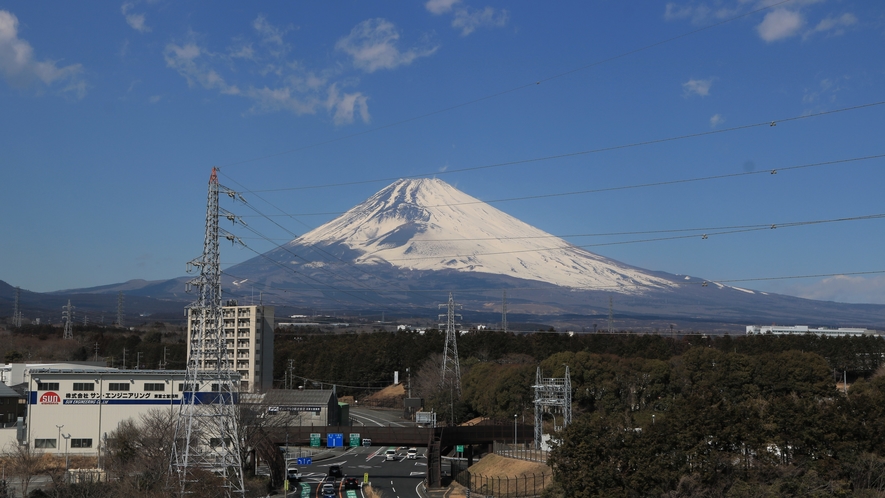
<point>335,471</point>
<point>351,483</point>
<point>292,472</point>
<point>412,453</point>
<point>390,454</point>
<point>328,489</point>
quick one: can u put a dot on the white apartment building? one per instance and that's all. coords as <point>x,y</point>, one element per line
<point>248,334</point>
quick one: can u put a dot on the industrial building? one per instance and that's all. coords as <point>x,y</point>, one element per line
<point>248,334</point>
<point>804,329</point>
<point>73,410</point>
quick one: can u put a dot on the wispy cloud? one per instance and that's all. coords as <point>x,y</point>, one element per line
<point>20,68</point>
<point>192,62</point>
<point>832,26</point>
<point>373,45</point>
<point>466,18</point>
<point>259,68</point>
<point>779,24</point>
<point>844,289</point>
<point>440,6</point>
<point>136,21</point>
<point>716,120</point>
<point>697,87</point>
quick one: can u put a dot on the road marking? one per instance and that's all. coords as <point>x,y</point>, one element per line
<point>417,473</point>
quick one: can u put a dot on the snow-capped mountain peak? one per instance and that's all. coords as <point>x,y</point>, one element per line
<point>426,224</point>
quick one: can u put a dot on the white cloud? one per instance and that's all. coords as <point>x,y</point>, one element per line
<point>344,106</point>
<point>834,26</point>
<point>19,67</point>
<point>186,60</point>
<point>373,45</point>
<point>716,120</point>
<point>136,21</point>
<point>467,19</point>
<point>779,24</point>
<point>440,6</point>
<point>697,87</point>
<point>844,289</point>
<point>155,98</point>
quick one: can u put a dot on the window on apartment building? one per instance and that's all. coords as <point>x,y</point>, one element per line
<point>118,386</point>
<point>196,387</point>
<point>154,386</point>
<point>84,386</point>
<point>47,386</point>
<point>44,443</point>
<point>81,443</point>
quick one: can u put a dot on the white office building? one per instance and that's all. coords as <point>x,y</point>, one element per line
<point>248,334</point>
<point>73,410</point>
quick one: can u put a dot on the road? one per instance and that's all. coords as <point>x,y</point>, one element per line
<point>392,479</point>
<point>379,418</point>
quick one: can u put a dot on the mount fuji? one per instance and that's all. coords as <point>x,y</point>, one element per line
<point>404,249</point>
<point>415,240</point>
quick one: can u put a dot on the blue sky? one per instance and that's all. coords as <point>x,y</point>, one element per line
<point>113,115</point>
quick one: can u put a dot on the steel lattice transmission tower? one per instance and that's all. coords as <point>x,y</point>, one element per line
<point>451,368</point>
<point>207,436</point>
<point>120,309</point>
<point>67,315</point>
<point>552,394</point>
<point>17,312</point>
<point>504,313</point>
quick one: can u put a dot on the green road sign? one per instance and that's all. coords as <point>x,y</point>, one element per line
<point>305,490</point>
<point>459,448</point>
<point>351,493</point>
<point>315,440</point>
<point>354,439</point>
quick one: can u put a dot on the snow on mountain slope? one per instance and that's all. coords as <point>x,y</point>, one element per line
<point>426,224</point>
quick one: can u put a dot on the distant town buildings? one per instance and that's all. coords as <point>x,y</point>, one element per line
<point>804,329</point>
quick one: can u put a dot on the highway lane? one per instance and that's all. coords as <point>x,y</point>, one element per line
<point>394,479</point>
<point>379,418</point>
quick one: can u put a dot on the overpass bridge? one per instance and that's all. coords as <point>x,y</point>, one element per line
<point>438,440</point>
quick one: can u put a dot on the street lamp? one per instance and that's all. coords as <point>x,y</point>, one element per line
<point>58,440</point>
<point>514,429</point>
<point>66,436</point>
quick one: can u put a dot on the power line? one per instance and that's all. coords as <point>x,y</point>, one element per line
<point>772,171</point>
<point>515,88</point>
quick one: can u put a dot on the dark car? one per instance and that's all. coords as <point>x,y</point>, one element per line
<point>351,483</point>
<point>335,471</point>
<point>328,490</point>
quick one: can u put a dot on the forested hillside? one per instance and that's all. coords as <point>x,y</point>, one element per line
<point>756,416</point>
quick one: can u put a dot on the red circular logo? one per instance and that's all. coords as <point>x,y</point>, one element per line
<point>50,398</point>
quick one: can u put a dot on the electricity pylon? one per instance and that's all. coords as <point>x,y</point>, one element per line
<point>68,317</point>
<point>450,366</point>
<point>207,436</point>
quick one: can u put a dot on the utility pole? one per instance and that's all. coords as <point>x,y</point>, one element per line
<point>290,381</point>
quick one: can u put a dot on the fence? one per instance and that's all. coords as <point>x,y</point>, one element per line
<point>520,451</point>
<point>526,485</point>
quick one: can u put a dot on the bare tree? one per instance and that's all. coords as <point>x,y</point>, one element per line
<point>24,463</point>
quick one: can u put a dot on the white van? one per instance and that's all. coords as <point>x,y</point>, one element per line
<point>412,453</point>
<point>390,454</point>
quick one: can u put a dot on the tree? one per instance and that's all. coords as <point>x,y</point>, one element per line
<point>24,463</point>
